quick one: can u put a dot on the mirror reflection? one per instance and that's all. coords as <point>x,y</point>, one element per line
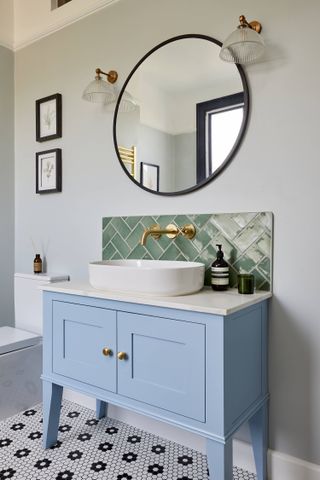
<point>189,116</point>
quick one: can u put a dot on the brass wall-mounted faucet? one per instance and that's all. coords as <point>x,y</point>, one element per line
<point>171,230</point>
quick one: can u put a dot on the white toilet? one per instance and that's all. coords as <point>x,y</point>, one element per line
<point>21,347</point>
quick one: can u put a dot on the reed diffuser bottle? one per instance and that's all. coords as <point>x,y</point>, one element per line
<point>37,264</point>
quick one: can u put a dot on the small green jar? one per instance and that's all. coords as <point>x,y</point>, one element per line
<point>245,283</point>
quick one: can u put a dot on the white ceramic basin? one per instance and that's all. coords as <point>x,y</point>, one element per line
<point>147,277</point>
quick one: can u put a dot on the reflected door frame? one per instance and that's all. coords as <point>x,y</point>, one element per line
<point>203,109</point>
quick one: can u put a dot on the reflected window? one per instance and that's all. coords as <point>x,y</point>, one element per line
<point>218,125</point>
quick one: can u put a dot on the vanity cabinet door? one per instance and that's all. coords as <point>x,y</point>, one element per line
<point>80,333</point>
<point>164,364</point>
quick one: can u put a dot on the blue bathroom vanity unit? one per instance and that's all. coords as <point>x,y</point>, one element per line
<point>198,362</point>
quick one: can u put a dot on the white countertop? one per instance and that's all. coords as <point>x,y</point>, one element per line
<point>206,301</point>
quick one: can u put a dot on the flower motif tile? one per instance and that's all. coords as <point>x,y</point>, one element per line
<point>101,450</point>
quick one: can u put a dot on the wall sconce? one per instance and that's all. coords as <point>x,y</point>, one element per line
<point>244,45</point>
<point>99,91</point>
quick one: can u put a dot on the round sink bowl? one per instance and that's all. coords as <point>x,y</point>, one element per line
<point>147,277</point>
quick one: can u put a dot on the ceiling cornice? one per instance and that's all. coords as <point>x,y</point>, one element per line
<point>61,23</point>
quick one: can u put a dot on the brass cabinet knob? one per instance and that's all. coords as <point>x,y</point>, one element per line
<point>122,356</point>
<point>107,351</point>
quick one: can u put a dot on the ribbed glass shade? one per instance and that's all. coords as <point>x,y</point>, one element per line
<point>127,103</point>
<point>243,46</point>
<point>99,91</point>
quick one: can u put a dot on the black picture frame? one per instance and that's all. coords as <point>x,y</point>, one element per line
<point>154,171</point>
<point>49,175</point>
<point>49,118</point>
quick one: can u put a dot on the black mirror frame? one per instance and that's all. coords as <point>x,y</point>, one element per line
<point>240,134</point>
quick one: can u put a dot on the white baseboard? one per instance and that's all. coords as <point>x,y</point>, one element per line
<point>280,465</point>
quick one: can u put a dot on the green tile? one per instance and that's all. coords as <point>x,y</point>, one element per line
<point>249,235</point>
<point>225,223</point>
<point>187,248</point>
<point>181,258</point>
<point>210,228</point>
<point>200,220</point>
<point>243,219</point>
<point>108,252</point>
<point>259,279</point>
<point>207,256</point>
<point>132,221</point>
<point>121,246</point>
<point>164,220</point>
<point>264,243</point>
<point>171,253</point>
<point>121,227</point>
<point>107,235</point>
<point>148,221</point>
<point>265,286</point>
<point>181,220</point>
<point>266,219</point>
<point>201,240</point>
<point>264,266</point>
<point>135,236</point>
<point>164,242</point>
<point>153,248</point>
<point>138,252</point>
<point>255,254</point>
<point>244,264</point>
<point>105,222</point>
<point>116,256</point>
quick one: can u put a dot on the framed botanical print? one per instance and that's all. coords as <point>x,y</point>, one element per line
<point>49,171</point>
<point>49,118</point>
<point>149,176</point>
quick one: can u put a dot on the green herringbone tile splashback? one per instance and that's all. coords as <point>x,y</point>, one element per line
<point>246,240</point>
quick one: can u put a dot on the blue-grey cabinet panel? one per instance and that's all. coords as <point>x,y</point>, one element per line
<point>165,364</point>
<point>79,335</point>
<point>243,363</point>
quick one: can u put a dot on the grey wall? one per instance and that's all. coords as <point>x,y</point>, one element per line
<point>6,186</point>
<point>185,154</point>
<point>157,148</point>
<point>276,168</point>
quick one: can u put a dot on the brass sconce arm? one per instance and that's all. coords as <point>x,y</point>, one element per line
<point>171,230</point>
<point>112,75</point>
<point>254,25</point>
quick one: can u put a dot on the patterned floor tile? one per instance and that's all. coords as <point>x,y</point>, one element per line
<point>88,449</point>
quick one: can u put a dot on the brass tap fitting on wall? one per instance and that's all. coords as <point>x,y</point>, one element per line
<point>171,230</point>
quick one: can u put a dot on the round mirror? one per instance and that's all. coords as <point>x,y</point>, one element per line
<point>180,115</point>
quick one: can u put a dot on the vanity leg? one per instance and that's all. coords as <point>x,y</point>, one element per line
<point>259,434</point>
<point>220,460</point>
<point>52,395</point>
<point>101,409</point>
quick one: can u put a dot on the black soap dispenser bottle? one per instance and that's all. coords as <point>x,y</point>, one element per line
<point>220,272</point>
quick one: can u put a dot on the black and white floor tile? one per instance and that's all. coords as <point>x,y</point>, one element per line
<point>89,449</point>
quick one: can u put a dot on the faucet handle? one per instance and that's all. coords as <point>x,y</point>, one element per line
<point>173,230</point>
<point>189,231</point>
<point>154,229</point>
